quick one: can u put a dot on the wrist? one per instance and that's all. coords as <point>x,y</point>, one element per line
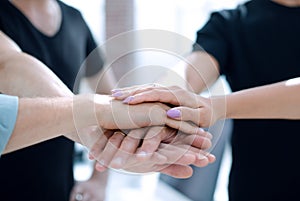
<point>84,111</point>
<point>219,107</point>
<point>102,110</point>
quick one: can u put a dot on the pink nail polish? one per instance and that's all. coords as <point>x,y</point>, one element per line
<point>117,94</point>
<point>115,90</point>
<point>174,113</point>
<point>128,99</point>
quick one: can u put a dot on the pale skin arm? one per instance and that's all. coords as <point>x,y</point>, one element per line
<point>24,76</point>
<point>33,126</point>
<point>275,101</point>
<point>202,70</point>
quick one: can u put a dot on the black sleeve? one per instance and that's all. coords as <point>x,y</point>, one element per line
<point>94,62</point>
<point>212,38</point>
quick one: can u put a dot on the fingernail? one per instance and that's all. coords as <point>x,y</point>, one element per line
<point>117,94</point>
<point>91,156</point>
<point>201,130</point>
<point>201,157</point>
<point>115,90</point>
<point>128,99</point>
<point>174,113</point>
<point>99,167</point>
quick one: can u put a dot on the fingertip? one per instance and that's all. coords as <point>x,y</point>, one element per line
<point>117,94</point>
<point>178,171</point>
<point>99,167</point>
<point>204,133</point>
<point>201,157</point>
<point>115,90</point>
<point>91,155</point>
<point>174,113</point>
<point>128,100</point>
<point>211,158</point>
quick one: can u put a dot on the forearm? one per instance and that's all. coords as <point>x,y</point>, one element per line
<point>41,119</point>
<point>276,101</point>
<point>201,71</point>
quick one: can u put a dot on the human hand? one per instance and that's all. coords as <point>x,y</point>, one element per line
<point>166,151</point>
<point>117,115</point>
<point>90,190</point>
<point>192,107</point>
<point>161,150</point>
<point>108,113</point>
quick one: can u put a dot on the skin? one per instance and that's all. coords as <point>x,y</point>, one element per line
<point>123,151</point>
<point>58,101</point>
<point>275,101</point>
<point>202,70</point>
<point>290,3</point>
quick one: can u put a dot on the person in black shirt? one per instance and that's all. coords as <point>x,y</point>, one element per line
<point>57,35</point>
<point>44,171</point>
<point>255,44</point>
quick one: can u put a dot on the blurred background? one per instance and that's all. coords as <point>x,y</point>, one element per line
<point>108,18</point>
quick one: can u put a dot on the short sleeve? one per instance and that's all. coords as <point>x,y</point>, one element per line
<point>95,61</point>
<point>8,117</point>
<point>213,39</point>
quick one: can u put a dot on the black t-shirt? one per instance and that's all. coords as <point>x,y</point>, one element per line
<point>255,44</point>
<point>45,171</point>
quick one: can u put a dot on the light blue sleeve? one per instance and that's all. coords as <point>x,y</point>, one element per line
<point>8,117</point>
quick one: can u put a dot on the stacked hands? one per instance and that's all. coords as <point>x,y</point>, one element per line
<point>144,131</point>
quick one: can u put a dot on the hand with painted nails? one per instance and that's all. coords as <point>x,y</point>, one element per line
<point>202,111</point>
<point>113,114</point>
<point>154,149</point>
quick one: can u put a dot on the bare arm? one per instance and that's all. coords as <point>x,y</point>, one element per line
<point>276,101</point>
<point>36,118</point>
<point>202,70</point>
<point>25,76</point>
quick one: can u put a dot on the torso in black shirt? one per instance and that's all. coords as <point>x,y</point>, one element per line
<point>44,171</point>
<point>258,43</point>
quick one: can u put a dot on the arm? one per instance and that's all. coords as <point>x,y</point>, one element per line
<point>202,70</point>
<point>276,101</point>
<point>36,118</point>
<point>25,76</point>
